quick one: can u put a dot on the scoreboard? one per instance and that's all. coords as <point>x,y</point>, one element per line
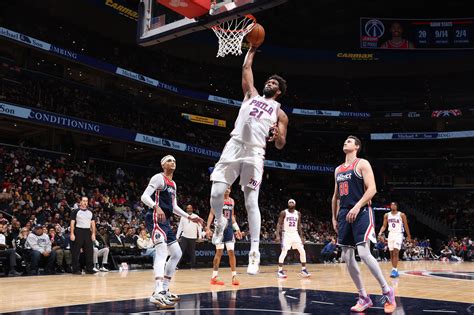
<point>384,33</point>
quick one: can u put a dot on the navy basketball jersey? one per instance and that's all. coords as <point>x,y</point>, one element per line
<point>228,209</point>
<point>166,196</point>
<point>350,185</point>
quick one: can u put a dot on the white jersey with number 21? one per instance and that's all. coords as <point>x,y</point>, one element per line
<point>256,116</point>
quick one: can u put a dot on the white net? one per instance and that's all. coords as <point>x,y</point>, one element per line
<point>231,34</point>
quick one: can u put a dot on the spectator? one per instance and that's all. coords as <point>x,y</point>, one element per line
<point>145,244</point>
<point>40,245</point>
<point>8,251</point>
<point>101,250</point>
<point>20,242</point>
<point>446,253</point>
<point>381,249</point>
<point>117,239</point>
<point>188,233</point>
<point>329,252</point>
<point>62,248</point>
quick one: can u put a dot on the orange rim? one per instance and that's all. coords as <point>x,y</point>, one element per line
<point>218,27</point>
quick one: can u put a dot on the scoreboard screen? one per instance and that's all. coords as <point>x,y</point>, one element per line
<point>381,33</point>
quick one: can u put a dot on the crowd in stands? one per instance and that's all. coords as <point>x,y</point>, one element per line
<point>422,249</point>
<point>120,109</point>
<point>40,189</point>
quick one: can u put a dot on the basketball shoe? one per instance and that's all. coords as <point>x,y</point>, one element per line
<point>172,297</point>
<point>254,262</point>
<point>362,304</point>
<point>304,273</point>
<point>394,274</point>
<point>281,274</point>
<point>235,281</point>
<point>216,281</point>
<point>388,300</point>
<point>160,300</point>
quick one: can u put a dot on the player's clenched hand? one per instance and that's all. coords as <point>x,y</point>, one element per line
<point>352,214</point>
<point>160,215</point>
<point>274,132</point>
<point>238,235</point>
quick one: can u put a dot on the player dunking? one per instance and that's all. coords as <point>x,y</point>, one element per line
<point>158,225</point>
<point>244,153</point>
<point>229,240</point>
<point>353,220</point>
<point>291,236</point>
<point>397,223</point>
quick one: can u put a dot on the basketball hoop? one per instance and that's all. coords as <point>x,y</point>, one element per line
<point>231,34</point>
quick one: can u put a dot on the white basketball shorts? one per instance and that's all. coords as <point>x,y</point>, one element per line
<point>291,241</point>
<point>239,159</point>
<point>395,241</point>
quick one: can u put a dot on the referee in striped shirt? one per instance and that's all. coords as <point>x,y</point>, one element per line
<point>82,236</point>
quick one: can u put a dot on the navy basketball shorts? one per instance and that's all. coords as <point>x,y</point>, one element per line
<point>228,234</point>
<point>159,230</point>
<point>358,232</point>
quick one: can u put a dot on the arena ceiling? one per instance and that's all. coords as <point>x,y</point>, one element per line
<point>298,25</point>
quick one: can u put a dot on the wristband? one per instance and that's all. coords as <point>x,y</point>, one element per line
<point>235,226</point>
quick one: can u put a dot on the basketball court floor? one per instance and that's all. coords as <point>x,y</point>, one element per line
<point>423,288</point>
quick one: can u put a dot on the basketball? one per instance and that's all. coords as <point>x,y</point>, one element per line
<point>256,35</point>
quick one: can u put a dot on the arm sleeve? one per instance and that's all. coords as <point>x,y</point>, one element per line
<point>156,183</point>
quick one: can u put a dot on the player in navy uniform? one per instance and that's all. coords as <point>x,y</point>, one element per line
<point>231,229</point>
<point>157,221</point>
<point>353,220</point>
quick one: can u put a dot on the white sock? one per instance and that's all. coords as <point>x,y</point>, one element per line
<point>214,273</point>
<point>158,285</point>
<point>395,269</point>
<point>280,268</point>
<point>166,284</point>
<point>234,273</point>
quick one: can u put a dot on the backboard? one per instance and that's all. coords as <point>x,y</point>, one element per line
<point>159,21</point>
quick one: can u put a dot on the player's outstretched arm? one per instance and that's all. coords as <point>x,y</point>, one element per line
<point>405,224</point>
<point>248,87</point>
<point>384,225</point>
